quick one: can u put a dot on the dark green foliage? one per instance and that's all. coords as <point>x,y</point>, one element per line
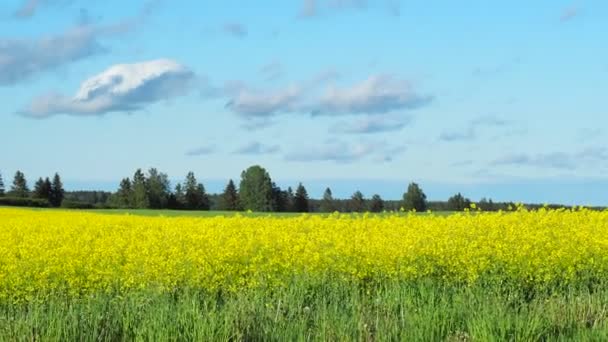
<point>414,198</point>
<point>300,203</point>
<point>458,203</point>
<point>24,202</point>
<point>280,200</point>
<point>158,189</point>
<point>124,195</point>
<point>140,192</point>
<point>19,187</point>
<point>42,189</point>
<point>177,199</point>
<point>357,202</point>
<point>2,190</point>
<point>377,204</point>
<point>68,204</point>
<point>229,199</point>
<point>255,189</point>
<point>195,197</point>
<point>488,205</point>
<point>328,204</point>
<point>57,192</point>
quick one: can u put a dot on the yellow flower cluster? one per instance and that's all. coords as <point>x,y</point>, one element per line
<point>45,252</point>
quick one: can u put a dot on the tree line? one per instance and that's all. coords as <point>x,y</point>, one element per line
<point>46,192</point>
<point>255,191</point>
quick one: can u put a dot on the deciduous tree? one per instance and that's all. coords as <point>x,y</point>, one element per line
<point>255,189</point>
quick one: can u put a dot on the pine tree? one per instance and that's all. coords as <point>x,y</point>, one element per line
<point>57,193</point>
<point>1,186</point>
<point>300,202</point>
<point>19,187</point>
<point>140,192</point>
<point>328,204</point>
<point>357,202</point>
<point>125,193</point>
<point>195,196</point>
<point>42,189</point>
<point>414,198</point>
<point>377,204</point>
<point>229,199</point>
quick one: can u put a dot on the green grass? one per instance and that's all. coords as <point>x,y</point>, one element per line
<point>304,312</point>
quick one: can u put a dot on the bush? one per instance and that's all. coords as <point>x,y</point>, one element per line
<point>77,205</point>
<point>24,202</point>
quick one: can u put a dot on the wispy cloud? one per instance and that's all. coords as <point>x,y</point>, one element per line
<point>311,8</point>
<point>372,124</point>
<point>272,71</point>
<point>21,59</point>
<point>569,14</point>
<point>200,151</point>
<point>257,148</point>
<point>235,29</point>
<point>471,132</point>
<point>378,94</point>
<point>557,160</point>
<point>343,152</point>
<point>120,88</point>
<point>29,8</point>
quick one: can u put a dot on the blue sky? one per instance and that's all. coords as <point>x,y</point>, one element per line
<point>503,100</point>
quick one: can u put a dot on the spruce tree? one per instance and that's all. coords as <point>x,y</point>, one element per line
<point>125,193</point>
<point>300,202</point>
<point>328,204</point>
<point>357,202</point>
<point>229,199</point>
<point>42,189</point>
<point>1,186</point>
<point>377,204</point>
<point>414,198</point>
<point>19,187</point>
<point>140,192</point>
<point>57,192</point>
<point>195,196</point>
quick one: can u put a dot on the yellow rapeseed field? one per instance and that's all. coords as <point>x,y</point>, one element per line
<point>47,252</point>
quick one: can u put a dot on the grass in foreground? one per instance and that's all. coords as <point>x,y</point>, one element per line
<point>333,312</point>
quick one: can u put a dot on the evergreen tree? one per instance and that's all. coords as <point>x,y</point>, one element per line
<point>180,197</point>
<point>229,199</point>
<point>255,189</point>
<point>57,192</point>
<point>458,203</point>
<point>377,204</point>
<point>414,198</point>
<point>140,192</point>
<point>280,199</point>
<point>1,186</point>
<point>125,194</point>
<point>357,202</point>
<point>328,204</point>
<point>195,196</point>
<point>42,189</point>
<point>300,203</point>
<point>289,199</point>
<point>158,189</point>
<point>19,187</point>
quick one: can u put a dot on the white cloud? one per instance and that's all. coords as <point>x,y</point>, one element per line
<point>120,88</point>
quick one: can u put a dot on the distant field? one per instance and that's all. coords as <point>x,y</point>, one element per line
<point>190,213</point>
